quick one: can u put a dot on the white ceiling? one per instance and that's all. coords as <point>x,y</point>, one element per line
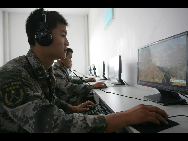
<point>65,11</point>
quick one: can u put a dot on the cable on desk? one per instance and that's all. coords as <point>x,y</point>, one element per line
<point>141,99</point>
<point>178,116</point>
<point>125,83</point>
<point>183,95</point>
<point>125,96</point>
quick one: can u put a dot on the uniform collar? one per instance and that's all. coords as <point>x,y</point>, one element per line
<point>37,66</point>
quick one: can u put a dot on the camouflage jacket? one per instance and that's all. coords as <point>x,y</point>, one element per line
<point>28,102</point>
<point>68,89</point>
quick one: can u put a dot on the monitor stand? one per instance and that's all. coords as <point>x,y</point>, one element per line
<point>120,82</point>
<point>104,78</point>
<point>166,98</point>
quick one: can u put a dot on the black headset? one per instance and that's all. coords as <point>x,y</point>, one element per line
<point>43,36</point>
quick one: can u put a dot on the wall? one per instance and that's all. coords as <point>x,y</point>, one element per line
<point>17,35</point>
<point>18,44</point>
<point>1,39</point>
<point>131,29</point>
<point>76,36</point>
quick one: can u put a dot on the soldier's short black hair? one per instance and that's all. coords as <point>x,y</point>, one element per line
<point>34,19</point>
<point>69,50</point>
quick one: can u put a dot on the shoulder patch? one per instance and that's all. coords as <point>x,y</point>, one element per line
<point>13,93</point>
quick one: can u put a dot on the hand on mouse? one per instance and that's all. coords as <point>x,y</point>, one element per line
<point>98,85</point>
<point>147,113</point>
<point>136,115</point>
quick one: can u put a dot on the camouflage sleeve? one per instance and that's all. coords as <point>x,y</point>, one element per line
<point>65,85</point>
<point>69,87</point>
<point>61,104</point>
<point>76,81</point>
<point>39,116</point>
<point>28,109</point>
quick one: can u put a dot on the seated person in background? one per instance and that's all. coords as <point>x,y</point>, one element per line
<point>81,78</point>
<point>69,66</point>
<point>68,89</point>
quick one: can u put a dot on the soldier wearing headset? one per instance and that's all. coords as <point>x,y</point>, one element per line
<point>27,98</point>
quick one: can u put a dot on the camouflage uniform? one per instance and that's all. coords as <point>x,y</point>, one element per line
<point>28,102</point>
<point>70,90</point>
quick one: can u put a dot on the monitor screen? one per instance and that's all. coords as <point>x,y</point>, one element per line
<point>114,67</point>
<point>100,69</point>
<point>164,64</point>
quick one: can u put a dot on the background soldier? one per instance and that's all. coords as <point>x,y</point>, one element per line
<point>68,89</point>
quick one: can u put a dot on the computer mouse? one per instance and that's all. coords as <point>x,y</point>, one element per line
<point>151,123</point>
<point>104,85</point>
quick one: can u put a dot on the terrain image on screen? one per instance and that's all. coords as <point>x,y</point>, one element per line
<point>164,62</point>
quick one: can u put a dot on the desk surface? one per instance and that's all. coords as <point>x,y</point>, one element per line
<point>121,98</point>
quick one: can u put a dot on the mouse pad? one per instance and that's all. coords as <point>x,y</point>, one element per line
<point>154,128</point>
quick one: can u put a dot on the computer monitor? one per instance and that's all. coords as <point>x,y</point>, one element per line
<point>163,65</point>
<point>94,70</point>
<point>101,70</point>
<point>90,70</point>
<point>115,69</point>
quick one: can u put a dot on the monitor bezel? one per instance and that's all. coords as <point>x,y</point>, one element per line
<point>159,85</point>
<point>94,71</point>
<point>89,67</point>
<point>103,65</point>
<point>101,69</point>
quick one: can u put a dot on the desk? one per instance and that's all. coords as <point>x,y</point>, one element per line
<point>121,98</point>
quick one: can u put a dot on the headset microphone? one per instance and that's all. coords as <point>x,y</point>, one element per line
<point>43,36</point>
<point>81,74</point>
<point>64,65</point>
<point>81,78</point>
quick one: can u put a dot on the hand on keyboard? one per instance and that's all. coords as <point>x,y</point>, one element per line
<point>99,109</point>
<point>90,107</point>
<point>81,108</point>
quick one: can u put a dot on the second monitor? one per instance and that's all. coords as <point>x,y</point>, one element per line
<point>115,70</point>
<point>101,71</point>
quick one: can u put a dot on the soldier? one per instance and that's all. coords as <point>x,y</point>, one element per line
<point>72,91</point>
<point>27,99</point>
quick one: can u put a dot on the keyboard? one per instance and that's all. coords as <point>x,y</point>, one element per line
<point>98,110</point>
<point>101,109</point>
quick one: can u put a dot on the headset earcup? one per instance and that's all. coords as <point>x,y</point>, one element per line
<point>43,37</point>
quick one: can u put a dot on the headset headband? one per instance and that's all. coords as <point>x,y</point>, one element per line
<point>43,23</point>
<point>43,36</point>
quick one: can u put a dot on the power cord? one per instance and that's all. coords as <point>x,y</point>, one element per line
<point>178,116</point>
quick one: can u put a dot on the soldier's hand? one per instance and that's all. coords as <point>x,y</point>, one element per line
<point>136,115</point>
<point>81,108</point>
<point>90,80</point>
<point>146,113</point>
<point>98,85</point>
